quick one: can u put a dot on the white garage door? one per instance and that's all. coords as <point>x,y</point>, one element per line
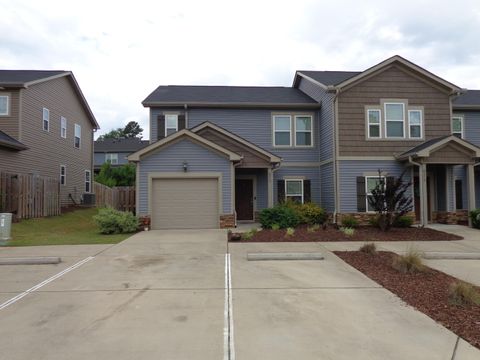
<point>185,203</point>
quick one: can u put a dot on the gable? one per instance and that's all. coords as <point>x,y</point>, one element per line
<point>451,154</point>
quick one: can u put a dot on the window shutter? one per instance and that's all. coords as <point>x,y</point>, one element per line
<point>280,191</point>
<point>390,181</point>
<point>307,195</point>
<point>160,127</point>
<point>361,196</point>
<point>181,122</point>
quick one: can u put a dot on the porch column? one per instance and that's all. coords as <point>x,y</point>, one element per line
<point>471,190</point>
<point>422,177</point>
<point>270,187</point>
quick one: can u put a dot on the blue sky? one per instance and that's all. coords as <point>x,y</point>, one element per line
<point>119,54</point>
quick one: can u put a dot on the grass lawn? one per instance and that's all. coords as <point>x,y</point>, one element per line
<point>72,228</point>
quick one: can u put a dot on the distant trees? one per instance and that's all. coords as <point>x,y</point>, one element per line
<point>131,130</point>
<point>116,176</point>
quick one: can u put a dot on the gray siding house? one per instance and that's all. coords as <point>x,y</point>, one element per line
<point>220,154</point>
<point>115,151</point>
<point>46,129</point>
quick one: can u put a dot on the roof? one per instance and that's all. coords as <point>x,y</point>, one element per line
<point>228,95</point>
<point>469,99</point>
<point>10,142</point>
<point>425,148</point>
<point>120,145</point>
<point>329,77</point>
<point>17,79</point>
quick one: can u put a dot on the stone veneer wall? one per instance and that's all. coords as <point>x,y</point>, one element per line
<point>363,218</point>
<point>227,221</point>
<point>450,218</point>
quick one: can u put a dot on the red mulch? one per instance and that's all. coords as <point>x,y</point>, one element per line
<point>362,233</point>
<point>427,292</point>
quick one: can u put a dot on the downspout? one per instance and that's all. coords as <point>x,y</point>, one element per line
<point>336,185</point>
<point>185,106</point>
<point>410,161</point>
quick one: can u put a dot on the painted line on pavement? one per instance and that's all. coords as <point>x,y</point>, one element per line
<point>228,344</point>
<point>43,283</point>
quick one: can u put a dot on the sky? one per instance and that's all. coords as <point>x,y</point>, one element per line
<point>121,51</point>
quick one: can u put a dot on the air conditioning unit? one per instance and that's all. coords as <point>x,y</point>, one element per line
<point>89,199</point>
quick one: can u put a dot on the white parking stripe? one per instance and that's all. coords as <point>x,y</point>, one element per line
<point>43,283</point>
<point>230,310</point>
<point>226,323</point>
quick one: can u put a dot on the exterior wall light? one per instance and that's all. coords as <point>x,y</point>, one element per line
<point>185,166</point>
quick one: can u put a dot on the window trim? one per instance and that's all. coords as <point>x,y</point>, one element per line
<point>89,182</point>
<point>462,122</point>
<point>387,121</point>
<point>379,123</point>
<point>307,131</point>
<point>421,124</point>
<point>64,175</point>
<point>77,126</point>
<point>46,119</point>
<point>63,126</point>
<point>111,162</point>
<point>367,193</point>
<point>166,123</point>
<point>7,113</point>
<point>282,131</point>
<point>293,180</point>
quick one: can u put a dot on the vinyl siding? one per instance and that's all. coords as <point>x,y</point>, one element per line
<point>171,158</point>
<point>9,124</point>
<point>154,112</point>
<point>48,150</point>
<point>99,158</point>
<point>471,122</point>
<point>327,187</point>
<point>460,173</point>
<point>477,189</point>
<point>310,173</point>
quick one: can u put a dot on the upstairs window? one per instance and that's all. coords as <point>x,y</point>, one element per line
<point>171,124</point>
<point>374,123</point>
<point>46,119</point>
<point>4,99</point>
<point>395,120</point>
<point>282,130</point>
<point>111,158</point>
<point>457,126</point>
<point>78,136</point>
<point>63,174</point>
<point>294,190</point>
<point>303,130</point>
<point>63,127</point>
<point>88,181</point>
<point>415,124</point>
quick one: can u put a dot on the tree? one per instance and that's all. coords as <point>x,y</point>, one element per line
<point>131,130</point>
<point>116,176</point>
<point>389,201</point>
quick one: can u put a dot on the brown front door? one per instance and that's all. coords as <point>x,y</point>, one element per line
<point>244,199</point>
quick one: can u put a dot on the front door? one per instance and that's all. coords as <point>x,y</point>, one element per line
<point>244,199</point>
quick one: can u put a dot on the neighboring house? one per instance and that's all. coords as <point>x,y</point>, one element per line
<point>219,154</point>
<point>46,129</point>
<point>115,151</point>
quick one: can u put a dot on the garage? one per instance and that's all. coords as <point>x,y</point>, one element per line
<point>185,203</point>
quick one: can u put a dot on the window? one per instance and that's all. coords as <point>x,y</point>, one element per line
<point>63,174</point>
<point>374,123</point>
<point>63,127</point>
<point>394,120</point>
<point>371,183</point>
<point>294,190</point>
<point>87,181</point>
<point>282,130</point>
<point>46,119</point>
<point>415,124</point>
<point>78,136</point>
<point>458,194</point>
<point>111,158</point>
<point>303,130</point>
<point>4,104</point>
<point>457,126</point>
<point>171,124</point>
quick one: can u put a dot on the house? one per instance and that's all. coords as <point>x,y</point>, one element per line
<point>115,151</point>
<point>219,154</point>
<point>46,129</point>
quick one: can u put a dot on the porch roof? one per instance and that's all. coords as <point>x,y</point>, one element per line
<point>11,143</point>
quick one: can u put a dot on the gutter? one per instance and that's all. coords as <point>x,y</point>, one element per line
<point>336,185</point>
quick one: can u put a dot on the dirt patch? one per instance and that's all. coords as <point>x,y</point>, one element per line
<point>363,233</point>
<point>426,292</point>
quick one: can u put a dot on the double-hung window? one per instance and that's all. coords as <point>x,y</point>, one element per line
<point>46,119</point>
<point>294,190</point>
<point>111,158</point>
<point>374,123</point>
<point>63,174</point>
<point>303,130</point>
<point>395,120</point>
<point>457,126</point>
<point>415,124</point>
<point>282,130</point>
<point>63,127</point>
<point>171,124</point>
<point>4,105</point>
<point>371,183</point>
<point>78,136</point>
<point>88,181</point>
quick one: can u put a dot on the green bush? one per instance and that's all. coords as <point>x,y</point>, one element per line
<point>349,231</point>
<point>112,221</point>
<point>475,216</point>
<point>349,222</point>
<point>403,221</point>
<point>311,214</point>
<point>373,221</point>
<point>290,231</point>
<point>281,215</point>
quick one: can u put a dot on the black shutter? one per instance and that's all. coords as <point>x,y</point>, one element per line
<point>181,122</point>
<point>307,195</point>
<point>280,191</point>
<point>361,196</point>
<point>390,181</point>
<point>160,127</point>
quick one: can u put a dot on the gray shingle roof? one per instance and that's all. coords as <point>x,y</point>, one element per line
<point>120,145</point>
<point>21,77</point>
<point>471,97</point>
<point>10,142</point>
<point>423,146</point>
<point>329,77</point>
<point>241,95</point>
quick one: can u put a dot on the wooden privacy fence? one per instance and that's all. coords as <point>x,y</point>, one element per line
<point>28,195</point>
<point>118,197</point>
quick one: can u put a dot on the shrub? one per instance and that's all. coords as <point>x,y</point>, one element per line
<point>409,263</point>
<point>349,231</point>
<point>374,221</point>
<point>275,227</point>
<point>349,221</point>
<point>368,248</point>
<point>311,214</point>
<point>462,293</point>
<point>475,216</point>
<point>313,228</point>
<point>112,221</point>
<point>247,235</point>
<point>290,231</point>
<point>403,221</point>
<point>281,215</point>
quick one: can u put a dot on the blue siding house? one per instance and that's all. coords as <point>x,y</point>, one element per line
<point>115,151</point>
<point>220,154</point>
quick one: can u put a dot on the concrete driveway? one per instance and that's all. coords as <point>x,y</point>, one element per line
<point>167,295</point>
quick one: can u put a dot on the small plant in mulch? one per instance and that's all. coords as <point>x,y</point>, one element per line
<point>410,263</point>
<point>290,231</point>
<point>248,235</point>
<point>462,293</point>
<point>349,231</point>
<point>349,222</point>
<point>368,248</point>
<point>313,228</point>
<point>275,227</point>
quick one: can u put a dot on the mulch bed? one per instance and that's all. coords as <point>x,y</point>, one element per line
<point>362,233</point>
<point>427,292</point>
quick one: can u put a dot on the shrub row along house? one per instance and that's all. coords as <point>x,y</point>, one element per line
<point>219,154</point>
